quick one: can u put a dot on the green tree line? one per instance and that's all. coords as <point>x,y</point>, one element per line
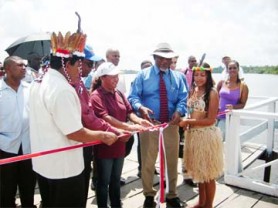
<point>254,69</point>
<point>261,69</point>
<point>246,69</point>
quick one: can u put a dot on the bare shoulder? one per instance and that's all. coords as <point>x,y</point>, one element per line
<point>244,85</point>
<point>219,85</point>
<point>213,93</point>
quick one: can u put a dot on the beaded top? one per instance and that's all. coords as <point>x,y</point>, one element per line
<point>196,103</point>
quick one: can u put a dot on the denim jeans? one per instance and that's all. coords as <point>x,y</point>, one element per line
<point>109,174</point>
<point>221,123</point>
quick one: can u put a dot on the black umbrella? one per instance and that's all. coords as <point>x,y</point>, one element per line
<point>38,43</point>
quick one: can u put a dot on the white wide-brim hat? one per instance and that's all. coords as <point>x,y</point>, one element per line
<point>164,50</point>
<point>107,68</point>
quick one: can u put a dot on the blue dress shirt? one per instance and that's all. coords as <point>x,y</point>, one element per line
<point>145,91</point>
<point>14,119</point>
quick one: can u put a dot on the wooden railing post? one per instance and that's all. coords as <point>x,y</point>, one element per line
<point>270,142</point>
<point>232,146</point>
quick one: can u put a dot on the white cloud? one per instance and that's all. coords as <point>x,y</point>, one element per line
<point>245,30</point>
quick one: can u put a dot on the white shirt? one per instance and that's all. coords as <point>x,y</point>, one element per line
<point>14,120</point>
<point>55,112</point>
<point>30,74</point>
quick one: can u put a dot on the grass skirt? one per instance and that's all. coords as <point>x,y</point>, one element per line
<point>203,153</point>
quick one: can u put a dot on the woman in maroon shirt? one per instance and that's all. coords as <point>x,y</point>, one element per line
<point>112,106</point>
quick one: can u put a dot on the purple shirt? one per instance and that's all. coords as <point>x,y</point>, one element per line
<point>115,105</point>
<point>227,96</point>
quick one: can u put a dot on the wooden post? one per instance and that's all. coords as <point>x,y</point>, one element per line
<point>232,145</point>
<point>270,142</point>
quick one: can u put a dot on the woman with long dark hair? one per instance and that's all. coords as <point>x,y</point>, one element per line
<point>203,154</point>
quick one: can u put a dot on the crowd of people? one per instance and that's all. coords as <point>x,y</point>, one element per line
<point>73,96</point>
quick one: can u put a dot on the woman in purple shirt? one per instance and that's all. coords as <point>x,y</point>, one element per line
<point>233,94</point>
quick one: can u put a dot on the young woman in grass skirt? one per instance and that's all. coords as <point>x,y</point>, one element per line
<point>203,150</point>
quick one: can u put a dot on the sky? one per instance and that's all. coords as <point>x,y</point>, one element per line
<point>245,30</point>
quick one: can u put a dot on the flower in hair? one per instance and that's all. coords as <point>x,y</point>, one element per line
<point>200,68</point>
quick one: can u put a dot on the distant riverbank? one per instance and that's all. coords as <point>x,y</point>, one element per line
<point>254,69</point>
<point>246,69</point>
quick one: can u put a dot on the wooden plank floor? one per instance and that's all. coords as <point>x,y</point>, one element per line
<point>226,196</point>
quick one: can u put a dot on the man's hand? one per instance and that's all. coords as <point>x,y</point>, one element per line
<point>175,118</point>
<point>145,113</point>
<point>108,138</point>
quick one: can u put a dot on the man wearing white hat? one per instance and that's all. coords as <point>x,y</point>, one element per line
<point>146,98</point>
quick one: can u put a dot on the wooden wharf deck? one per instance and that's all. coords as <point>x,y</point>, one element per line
<point>226,196</point>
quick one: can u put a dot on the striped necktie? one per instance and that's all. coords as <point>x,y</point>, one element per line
<point>164,115</point>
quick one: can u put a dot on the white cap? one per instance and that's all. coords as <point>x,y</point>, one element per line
<point>107,68</point>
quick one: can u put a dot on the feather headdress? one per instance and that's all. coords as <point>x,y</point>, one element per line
<point>68,45</point>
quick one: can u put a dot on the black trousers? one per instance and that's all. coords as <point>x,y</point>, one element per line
<point>88,156</point>
<point>128,146</point>
<point>18,174</point>
<point>68,192</point>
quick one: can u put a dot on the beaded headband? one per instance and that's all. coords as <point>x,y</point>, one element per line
<point>69,45</point>
<point>200,68</point>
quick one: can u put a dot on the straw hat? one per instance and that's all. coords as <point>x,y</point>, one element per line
<point>164,50</point>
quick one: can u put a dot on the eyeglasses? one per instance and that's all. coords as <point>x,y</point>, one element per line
<point>233,67</point>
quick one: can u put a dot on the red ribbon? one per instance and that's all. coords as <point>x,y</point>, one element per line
<point>32,155</point>
<point>162,164</point>
<point>162,167</point>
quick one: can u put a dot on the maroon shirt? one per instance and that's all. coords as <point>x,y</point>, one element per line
<point>115,105</point>
<point>89,118</point>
